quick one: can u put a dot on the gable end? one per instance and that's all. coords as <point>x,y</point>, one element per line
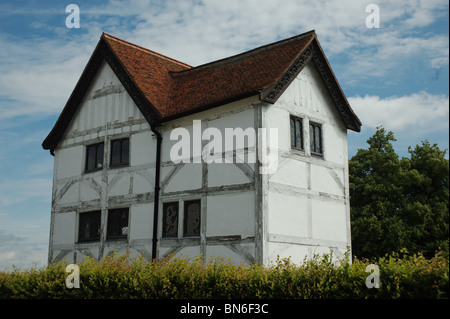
<point>334,89</point>
<point>314,52</point>
<point>272,94</point>
<point>102,51</point>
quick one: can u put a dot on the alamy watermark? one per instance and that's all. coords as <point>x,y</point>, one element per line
<point>373,280</point>
<point>73,19</point>
<point>226,149</point>
<point>373,19</point>
<point>73,280</point>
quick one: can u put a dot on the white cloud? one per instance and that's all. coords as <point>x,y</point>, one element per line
<point>439,63</point>
<point>23,256</point>
<point>388,54</point>
<point>28,248</point>
<point>422,12</point>
<point>7,256</point>
<point>416,111</point>
<point>39,80</point>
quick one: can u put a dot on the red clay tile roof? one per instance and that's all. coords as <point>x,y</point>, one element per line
<point>164,89</point>
<point>233,78</point>
<point>149,70</point>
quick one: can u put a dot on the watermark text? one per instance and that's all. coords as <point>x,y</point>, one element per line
<point>373,280</point>
<point>373,19</point>
<point>73,19</point>
<point>73,280</point>
<point>210,146</point>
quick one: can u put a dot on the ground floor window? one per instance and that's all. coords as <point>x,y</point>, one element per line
<point>89,226</point>
<point>117,223</point>
<point>170,220</point>
<point>190,219</point>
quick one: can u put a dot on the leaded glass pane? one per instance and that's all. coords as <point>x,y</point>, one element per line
<point>292,132</point>
<point>170,220</point>
<point>192,218</point>
<point>298,133</point>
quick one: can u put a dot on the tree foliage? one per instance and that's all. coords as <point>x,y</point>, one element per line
<point>398,202</point>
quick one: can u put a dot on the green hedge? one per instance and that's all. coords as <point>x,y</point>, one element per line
<point>401,276</point>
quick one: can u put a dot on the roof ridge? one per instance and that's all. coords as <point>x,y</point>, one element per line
<point>140,48</point>
<point>245,53</point>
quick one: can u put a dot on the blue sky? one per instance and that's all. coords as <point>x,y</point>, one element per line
<point>396,75</point>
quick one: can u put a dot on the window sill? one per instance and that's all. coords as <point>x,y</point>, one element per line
<point>109,239</point>
<point>187,241</point>
<point>88,241</point>
<point>93,170</point>
<point>298,151</point>
<point>119,166</point>
<point>317,155</point>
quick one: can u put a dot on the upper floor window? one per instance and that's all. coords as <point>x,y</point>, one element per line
<point>315,135</point>
<point>296,132</point>
<point>120,152</point>
<point>94,157</point>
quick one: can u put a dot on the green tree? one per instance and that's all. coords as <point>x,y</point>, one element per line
<point>398,203</point>
<point>428,194</point>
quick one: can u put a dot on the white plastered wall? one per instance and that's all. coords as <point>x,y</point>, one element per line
<point>306,203</point>
<point>226,190</point>
<point>106,113</point>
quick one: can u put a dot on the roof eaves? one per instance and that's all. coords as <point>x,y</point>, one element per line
<point>349,117</point>
<point>314,52</point>
<point>209,106</point>
<point>272,93</point>
<point>52,139</point>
